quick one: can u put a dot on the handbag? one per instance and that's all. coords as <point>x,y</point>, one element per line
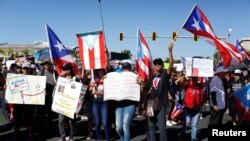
<point>153,106</point>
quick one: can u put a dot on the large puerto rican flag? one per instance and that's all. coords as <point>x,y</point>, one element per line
<point>92,50</point>
<point>144,65</point>
<point>59,53</point>
<point>242,101</point>
<point>198,24</point>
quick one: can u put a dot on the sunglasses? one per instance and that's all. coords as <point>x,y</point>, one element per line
<point>157,63</point>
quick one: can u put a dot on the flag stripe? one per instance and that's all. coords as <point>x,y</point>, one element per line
<point>92,50</point>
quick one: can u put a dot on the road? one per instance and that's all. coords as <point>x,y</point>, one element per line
<point>138,132</point>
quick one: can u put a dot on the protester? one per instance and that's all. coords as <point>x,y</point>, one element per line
<point>236,84</point>
<point>192,105</point>
<point>124,112</point>
<point>100,107</point>
<point>217,97</point>
<point>117,66</point>
<point>158,86</point>
<point>67,72</point>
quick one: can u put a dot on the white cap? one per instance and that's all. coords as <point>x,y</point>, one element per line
<point>33,66</point>
<point>26,64</point>
<point>221,69</point>
<point>117,61</point>
<point>237,71</point>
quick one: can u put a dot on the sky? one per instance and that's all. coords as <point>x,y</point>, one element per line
<point>23,21</point>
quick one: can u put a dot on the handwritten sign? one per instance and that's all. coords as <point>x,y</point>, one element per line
<point>25,89</point>
<point>66,97</point>
<point>198,67</point>
<point>121,86</point>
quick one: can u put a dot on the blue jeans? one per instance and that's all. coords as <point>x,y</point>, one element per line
<point>159,119</point>
<point>100,111</point>
<point>123,118</point>
<point>191,118</point>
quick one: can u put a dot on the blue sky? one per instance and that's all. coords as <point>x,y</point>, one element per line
<point>22,21</point>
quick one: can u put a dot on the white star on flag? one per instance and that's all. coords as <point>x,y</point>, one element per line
<point>196,24</point>
<point>59,46</point>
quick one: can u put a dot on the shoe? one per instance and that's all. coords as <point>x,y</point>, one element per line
<point>234,123</point>
<point>90,136</point>
<point>168,123</point>
<point>173,122</point>
<point>201,117</point>
<point>71,139</point>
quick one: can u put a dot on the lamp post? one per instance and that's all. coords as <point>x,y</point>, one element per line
<point>229,34</point>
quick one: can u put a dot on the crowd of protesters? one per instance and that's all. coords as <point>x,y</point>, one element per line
<point>169,87</point>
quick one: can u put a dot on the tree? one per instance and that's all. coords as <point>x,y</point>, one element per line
<point>127,52</point>
<point>25,51</point>
<point>216,55</point>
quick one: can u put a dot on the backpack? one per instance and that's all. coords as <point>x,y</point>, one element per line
<point>192,98</point>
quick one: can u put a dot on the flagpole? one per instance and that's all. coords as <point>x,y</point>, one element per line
<point>177,34</point>
<point>107,54</point>
<point>46,27</point>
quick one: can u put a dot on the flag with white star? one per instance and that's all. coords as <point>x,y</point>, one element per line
<point>59,53</point>
<point>198,24</point>
<point>92,50</point>
<point>243,52</point>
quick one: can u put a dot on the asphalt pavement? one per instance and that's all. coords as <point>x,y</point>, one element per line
<point>138,132</point>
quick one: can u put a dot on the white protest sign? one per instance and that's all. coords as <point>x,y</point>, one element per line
<point>66,97</point>
<point>199,67</point>
<point>121,86</point>
<point>25,89</point>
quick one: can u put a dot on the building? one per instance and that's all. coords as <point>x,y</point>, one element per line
<point>18,49</point>
<point>245,42</point>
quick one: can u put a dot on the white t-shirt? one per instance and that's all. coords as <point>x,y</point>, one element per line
<point>216,85</point>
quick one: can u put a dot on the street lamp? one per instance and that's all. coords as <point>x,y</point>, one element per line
<point>229,34</point>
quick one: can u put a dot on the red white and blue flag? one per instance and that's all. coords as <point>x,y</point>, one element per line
<point>92,50</point>
<point>242,50</point>
<point>242,101</point>
<point>144,59</point>
<point>177,111</point>
<point>198,24</point>
<point>59,53</point>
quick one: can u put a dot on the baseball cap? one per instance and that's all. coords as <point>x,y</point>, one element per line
<point>237,71</point>
<point>221,69</point>
<point>67,66</point>
<point>26,65</point>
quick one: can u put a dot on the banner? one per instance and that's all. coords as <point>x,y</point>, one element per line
<point>66,97</point>
<point>121,86</point>
<point>25,89</point>
<point>198,67</point>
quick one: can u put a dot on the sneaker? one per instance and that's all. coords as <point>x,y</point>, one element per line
<point>201,117</point>
<point>168,123</point>
<point>90,136</point>
<point>173,122</point>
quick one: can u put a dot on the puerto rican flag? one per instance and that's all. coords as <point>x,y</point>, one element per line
<point>242,50</point>
<point>242,101</point>
<point>92,50</point>
<point>144,59</point>
<point>59,53</point>
<point>177,111</point>
<point>198,24</point>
